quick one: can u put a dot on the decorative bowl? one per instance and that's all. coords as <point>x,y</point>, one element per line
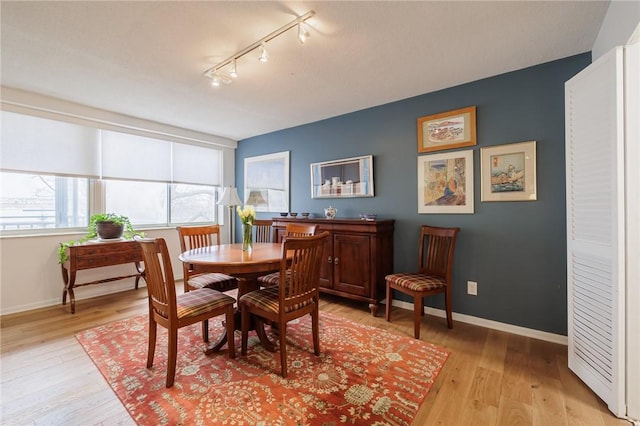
<point>284,214</point>
<point>368,216</point>
<point>305,215</point>
<point>293,214</point>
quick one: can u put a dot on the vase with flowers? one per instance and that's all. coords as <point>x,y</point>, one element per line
<point>247,217</point>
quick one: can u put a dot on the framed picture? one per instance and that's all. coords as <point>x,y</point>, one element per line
<point>266,182</point>
<point>447,130</point>
<point>509,172</point>
<point>445,182</point>
<point>351,177</point>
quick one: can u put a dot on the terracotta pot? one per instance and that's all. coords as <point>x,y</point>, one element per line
<point>109,230</point>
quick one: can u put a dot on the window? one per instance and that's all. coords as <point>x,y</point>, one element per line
<point>144,203</point>
<point>55,174</point>
<point>30,201</point>
<point>193,203</point>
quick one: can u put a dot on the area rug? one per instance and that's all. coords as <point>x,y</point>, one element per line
<point>363,376</point>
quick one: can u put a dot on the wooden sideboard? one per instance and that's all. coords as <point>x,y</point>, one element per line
<point>357,256</point>
<point>96,254</point>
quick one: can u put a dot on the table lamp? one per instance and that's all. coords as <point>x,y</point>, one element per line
<point>230,199</point>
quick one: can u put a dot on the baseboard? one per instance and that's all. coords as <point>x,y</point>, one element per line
<point>494,325</point>
<point>81,293</point>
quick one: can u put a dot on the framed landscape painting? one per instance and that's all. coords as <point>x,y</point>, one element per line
<point>447,130</point>
<point>445,182</point>
<point>509,172</point>
<point>266,182</point>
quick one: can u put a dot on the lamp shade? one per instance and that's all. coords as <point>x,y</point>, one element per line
<point>230,197</point>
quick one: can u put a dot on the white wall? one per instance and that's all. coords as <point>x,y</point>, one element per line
<point>31,277</point>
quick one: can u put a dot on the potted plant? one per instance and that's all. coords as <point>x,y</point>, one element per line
<point>105,226</point>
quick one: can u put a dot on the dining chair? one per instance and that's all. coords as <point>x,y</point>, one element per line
<point>291,230</point>
<point>435,260</point>
<point>262,230</point>
<point>193,237</point>
<point>296,296</point>
<point>174,311</point>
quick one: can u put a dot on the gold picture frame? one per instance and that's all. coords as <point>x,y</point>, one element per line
<point>509,172</point>
<point>447,130</point>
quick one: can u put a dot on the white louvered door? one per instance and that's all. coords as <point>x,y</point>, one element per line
<point>595,228</point>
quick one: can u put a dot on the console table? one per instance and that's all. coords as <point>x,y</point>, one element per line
<point>96,254</point>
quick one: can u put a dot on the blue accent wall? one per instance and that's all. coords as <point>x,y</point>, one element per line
<point>516,251</point>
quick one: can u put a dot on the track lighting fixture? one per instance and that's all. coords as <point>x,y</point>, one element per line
<point>214,73</point>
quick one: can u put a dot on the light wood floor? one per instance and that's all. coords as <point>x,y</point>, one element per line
<point>491,377</point>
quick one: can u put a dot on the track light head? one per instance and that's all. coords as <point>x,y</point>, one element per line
<point>263,55</point>
<point>233,70</point>
<point>303,33</point>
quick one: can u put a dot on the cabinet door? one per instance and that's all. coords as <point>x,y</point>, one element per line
<point>352,264</point>
<point>326,270</point>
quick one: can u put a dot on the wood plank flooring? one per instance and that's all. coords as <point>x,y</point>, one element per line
<point>491,377</point>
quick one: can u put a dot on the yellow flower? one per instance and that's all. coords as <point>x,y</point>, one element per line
<point>247,214</point>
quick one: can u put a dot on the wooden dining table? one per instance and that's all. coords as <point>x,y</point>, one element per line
<point>245,266</point>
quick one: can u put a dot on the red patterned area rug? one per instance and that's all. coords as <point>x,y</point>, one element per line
<point>363,376</point>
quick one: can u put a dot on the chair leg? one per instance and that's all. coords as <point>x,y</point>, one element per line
<point>315,330</point>
<point>152,341</point>
<point>283,349</point>
<point>172,356</point>
<point>205,331</point>
<point>418,308</point>
<point>388,305</point>
<point>245,329</point>
<point>447,303</point>
<point>231,328</point>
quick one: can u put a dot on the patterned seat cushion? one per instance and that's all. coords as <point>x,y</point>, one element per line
<point>216,281</point>
<point>416,282</point>
<point>198,301</point>
<point>271,279</point>
<point>268,299</point>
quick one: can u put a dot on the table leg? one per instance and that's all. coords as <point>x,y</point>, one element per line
<point>245,285</point>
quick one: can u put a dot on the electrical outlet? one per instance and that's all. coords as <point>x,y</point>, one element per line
<point>472,288</point>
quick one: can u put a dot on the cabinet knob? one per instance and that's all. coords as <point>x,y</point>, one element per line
<point>329,259</point>
<point>336,260</point>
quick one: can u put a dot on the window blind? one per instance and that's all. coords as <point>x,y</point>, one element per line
<point>44,146</point>
<point>196,164</point>
<point>126,156</point>
<point>39,145</point>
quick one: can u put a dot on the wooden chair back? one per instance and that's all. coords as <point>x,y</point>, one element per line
<point>300,273</point>
<point>300,230</point>
<point>262,231</point>
<point>437,246</point>
<point>160,282</point>
<point>193,237</point>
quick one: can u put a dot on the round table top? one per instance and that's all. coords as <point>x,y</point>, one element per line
<point>231,259</point>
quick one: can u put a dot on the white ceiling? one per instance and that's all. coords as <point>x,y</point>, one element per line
<point>146,59</point>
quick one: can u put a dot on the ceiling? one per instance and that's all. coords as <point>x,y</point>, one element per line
<point>147,59</point>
